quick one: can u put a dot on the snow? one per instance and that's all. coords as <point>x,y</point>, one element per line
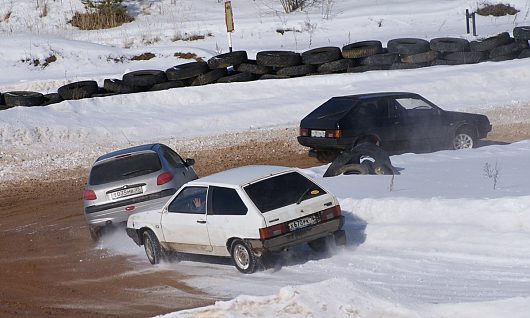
<point>435,241</point>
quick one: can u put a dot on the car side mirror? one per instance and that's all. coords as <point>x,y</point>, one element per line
<point>190,162</point>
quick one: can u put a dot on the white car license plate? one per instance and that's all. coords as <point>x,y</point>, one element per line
<point>125,192</point>
<point>318,133</point>
<point>301,223</point>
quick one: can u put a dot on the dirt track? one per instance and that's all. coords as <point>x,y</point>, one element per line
<point>50,267</point>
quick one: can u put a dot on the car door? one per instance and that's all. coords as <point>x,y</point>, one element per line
<point>183,221</point>
<point>421,121</point>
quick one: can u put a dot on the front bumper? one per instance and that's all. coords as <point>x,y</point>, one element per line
<point>298,237</point>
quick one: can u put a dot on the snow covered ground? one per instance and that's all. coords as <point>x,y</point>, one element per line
<point>437,242</point>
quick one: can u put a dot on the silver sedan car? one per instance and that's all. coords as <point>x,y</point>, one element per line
<point>132,180</point>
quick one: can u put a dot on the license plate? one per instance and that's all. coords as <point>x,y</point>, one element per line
<point>125,192</point>
<point>301,223</point>
<point>318,133</point>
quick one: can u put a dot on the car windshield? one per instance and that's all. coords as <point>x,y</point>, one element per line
<point>334,108</point>
<point>125,167</point>
<point>282,190</point>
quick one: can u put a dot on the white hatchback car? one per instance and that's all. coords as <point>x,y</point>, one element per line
<point>241,213</point>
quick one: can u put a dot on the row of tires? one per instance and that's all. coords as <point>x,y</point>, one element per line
<point>402,53</point>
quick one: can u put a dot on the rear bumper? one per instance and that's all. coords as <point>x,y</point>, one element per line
<point>298,237</point>
<point>325,143</point>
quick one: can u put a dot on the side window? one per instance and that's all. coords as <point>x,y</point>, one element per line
<point>394,109</point>
<point>172,157</point>
<point>413,103</point>
<point>226,201</point>
<point>190,200</point>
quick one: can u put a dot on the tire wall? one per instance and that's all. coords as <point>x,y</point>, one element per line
<point>370,55</point>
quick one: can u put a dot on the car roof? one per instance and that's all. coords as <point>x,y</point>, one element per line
<point>377,95</point>
<point>128,150</point>
<point>241,176</point>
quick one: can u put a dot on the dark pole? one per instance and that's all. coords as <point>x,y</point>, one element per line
<point>467,20</point>
<point>474,25</point>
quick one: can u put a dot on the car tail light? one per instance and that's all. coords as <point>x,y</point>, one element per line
<point>304,132</point>
<point>164,178</point>
<point>333,133</point>
<point>89,195</point>
<point>330,213</point>
<point>271,231</point>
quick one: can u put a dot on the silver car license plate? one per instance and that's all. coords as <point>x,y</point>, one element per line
<point>301,223</point>
<point>125,192</point>
<point>318,133</point>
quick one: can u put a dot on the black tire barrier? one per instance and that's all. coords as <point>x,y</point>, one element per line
<point>425,57</point>
<point>209,77</point>
<point>2,101</point>
<point>408,46</point>
<point>104,94</point>
<point>227,59</point>
<point>278,58</point>
<point>115,85</point>
<point>522,32</point>
<point>23,98</point>
<point>444,62</point>
<point>353,168</point>
<point>144,78</point>
<point>272,76</point>
<point>465,57</point>
<point>250,66</point>
<point>524,54</point>
<point>321,55</point>
<point>510,49</point>
<point>449,45</point>
<point>296,70</point>
<point>362,49</point>
<point>502,58</point>
<point>186,71</point>
<point>490,43</point>
<point>380,59</point>
<point>52,98</point>
<point>337,66</point>
<point>238,77</point>
<point>167,85</point>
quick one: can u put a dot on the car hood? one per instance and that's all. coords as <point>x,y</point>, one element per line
<point>454,116</point>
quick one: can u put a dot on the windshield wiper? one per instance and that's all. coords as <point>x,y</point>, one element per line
<point>303,195</point>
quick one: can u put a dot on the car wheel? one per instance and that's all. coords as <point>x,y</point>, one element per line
<point>463,140</point>
<point>326,156</point>
<point>319,245</point>
<point>244,258</point>
<point>152,247</point>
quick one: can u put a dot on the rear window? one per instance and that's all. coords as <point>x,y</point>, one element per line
<point>282,190</point>
<point>334,108</point>
<point>124,168</point>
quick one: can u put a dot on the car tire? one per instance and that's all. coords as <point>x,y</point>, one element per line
<point>382,169</point>
<point>326,156</point>
<point>23,98</point>
<point>144,78</point>
<point>152,247</point>
<point>250,66</point>
<point>245,260</point>
<point>465,57</point>
<point>353,168</point>
<point>524,54</point>
<point>237,77</point>
<point>52,98</point>
<point>449,45</point>
<point>115,85</point>
<point>419,58</point>
<point>320,245</point>
<point>337,66</point>
<point>296,70</point>
<point>78,90</point>
<point>209,77</point>
<point>321,55</point>
<point>463,139</point>
<point>278,58</point>
<point>186,71</point>
<point>408,46</point>
<point>227,59</point>
<point>361,49</point>
<point>490,43</point>
<point>380,59</point>
<point>167,85</point>
<point>521,32</point>
<point>511,49</point>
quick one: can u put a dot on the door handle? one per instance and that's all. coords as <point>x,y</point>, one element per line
<point>201,221</point>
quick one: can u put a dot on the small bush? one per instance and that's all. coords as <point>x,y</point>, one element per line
<point>496,10</point>
<point>188,56</point>
<point>143,57</point>
<point>101,15</point>
<point>189,37</point>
